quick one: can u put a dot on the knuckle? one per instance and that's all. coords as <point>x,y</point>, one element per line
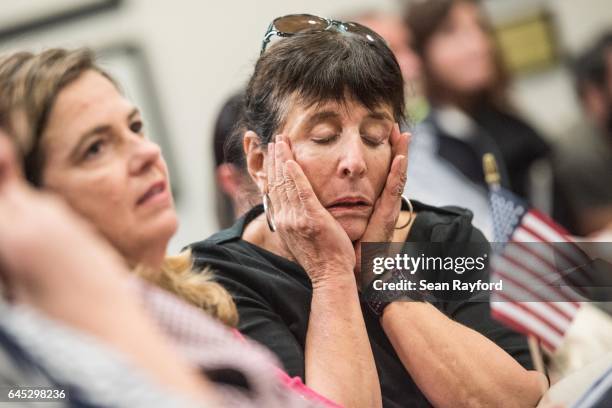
<point>397,190</point>
<point>304,195</point>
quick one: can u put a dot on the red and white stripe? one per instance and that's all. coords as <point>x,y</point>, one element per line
<point>529,303</point>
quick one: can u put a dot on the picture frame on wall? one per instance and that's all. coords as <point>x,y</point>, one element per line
<point>27,16</point>
<point>125,59</point>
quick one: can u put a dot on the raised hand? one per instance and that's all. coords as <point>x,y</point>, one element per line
<point>388,205</point>
<point>43,244</point>
<point>308,231</point>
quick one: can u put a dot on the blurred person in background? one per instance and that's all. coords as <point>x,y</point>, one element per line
<point>82,141</point>
<point>236,192</point>
<point>425,167</point>
<point>397,34</point>
<point>584,157</point>
<point>466,85</point>
<point>323,144</point>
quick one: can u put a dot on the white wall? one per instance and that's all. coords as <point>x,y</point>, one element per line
<point>547,98</point>
<point>201,51</point>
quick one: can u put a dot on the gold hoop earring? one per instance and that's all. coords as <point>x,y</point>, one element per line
<point>411,209</point>
<point>269,211</point>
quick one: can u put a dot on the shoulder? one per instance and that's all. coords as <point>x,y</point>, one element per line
<point>444,224</point>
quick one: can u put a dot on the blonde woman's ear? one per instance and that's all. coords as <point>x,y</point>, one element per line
<point>255,158</point>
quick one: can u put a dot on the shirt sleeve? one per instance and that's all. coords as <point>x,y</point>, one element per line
<point>257,318</point>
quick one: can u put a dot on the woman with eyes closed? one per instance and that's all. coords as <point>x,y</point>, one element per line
<point>323,145</point>
<point>81,140</point>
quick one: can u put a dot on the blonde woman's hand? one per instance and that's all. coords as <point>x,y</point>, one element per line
<point>44,246</point>
<point>387,208</point>
<point>308,231</point>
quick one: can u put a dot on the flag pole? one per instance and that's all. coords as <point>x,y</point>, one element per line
<point>489,165</point>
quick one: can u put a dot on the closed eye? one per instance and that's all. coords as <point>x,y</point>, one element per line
<point>373,141</point>
<point>325,140</point>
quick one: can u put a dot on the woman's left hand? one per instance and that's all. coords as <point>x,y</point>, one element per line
<point>388,205</point>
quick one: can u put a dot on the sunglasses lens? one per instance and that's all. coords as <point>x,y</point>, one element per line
<point>296,23</point>
<point>363,31</point>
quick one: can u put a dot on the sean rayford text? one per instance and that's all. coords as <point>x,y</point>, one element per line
<point>423,285</point>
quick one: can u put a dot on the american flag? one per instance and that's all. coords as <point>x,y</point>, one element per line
<point>534,257</point>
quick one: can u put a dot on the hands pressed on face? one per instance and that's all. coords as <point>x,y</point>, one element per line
<point>308,231</point>
<point>388,205</point>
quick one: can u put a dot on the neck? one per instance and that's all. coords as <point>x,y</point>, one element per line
<point>150,257</point>
<point>258,233</point>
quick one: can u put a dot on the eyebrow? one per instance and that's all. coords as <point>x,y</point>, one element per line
<point>380,115</point>
<point>330,114</point>
<point>322,116</point>
<point>98,130</point>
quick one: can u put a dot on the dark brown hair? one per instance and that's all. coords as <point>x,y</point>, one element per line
<point>317,68</point>
<point>425,19</point>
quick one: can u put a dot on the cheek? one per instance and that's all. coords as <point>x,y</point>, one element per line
<point>101,197</point>
<point>318,164</point>
<point>379,164</point>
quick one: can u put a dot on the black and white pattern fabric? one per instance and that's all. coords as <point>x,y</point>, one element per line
<point>100,375</point>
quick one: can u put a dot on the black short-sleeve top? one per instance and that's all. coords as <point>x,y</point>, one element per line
<point>273,297</point>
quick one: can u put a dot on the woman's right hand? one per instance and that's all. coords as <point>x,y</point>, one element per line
<point>45,248</point>
<point>307,230</point>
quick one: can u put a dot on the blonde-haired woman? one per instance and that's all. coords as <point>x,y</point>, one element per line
<point>53,98</point>
<point>81,139</point>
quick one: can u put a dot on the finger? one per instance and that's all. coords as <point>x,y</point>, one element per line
<point>292,191</point>
<point>270,166</point>
<point>271,188</point>
<point>388,205</point>
<point>305,193</point>
<point>279,159</point>
<point>399,142</point>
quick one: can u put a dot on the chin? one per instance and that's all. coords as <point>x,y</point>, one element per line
<point>163,227</point>
<point>353,226</point>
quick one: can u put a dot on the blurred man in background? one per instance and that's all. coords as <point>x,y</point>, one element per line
<point>585,155</point>
<point>234,185</point>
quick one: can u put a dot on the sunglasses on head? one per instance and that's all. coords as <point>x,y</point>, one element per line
<point>292,24</point>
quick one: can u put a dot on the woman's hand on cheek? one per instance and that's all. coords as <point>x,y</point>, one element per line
<point>388,205</point>
<point>308,231</point>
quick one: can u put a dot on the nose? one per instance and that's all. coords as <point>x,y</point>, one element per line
<point>352,161</point>
<point>145,155</point>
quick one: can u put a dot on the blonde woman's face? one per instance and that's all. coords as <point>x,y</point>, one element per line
<point>98,159</point>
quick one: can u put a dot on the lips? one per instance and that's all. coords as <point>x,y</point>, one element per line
<point>350,202</point>
<point>155,189</point>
